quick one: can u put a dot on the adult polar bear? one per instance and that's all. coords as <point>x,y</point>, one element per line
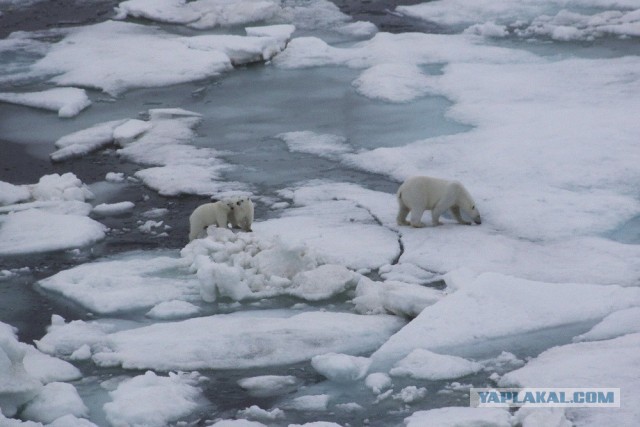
<point>420,193</point>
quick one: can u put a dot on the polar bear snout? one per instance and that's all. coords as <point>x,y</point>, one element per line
<point>477,220</point>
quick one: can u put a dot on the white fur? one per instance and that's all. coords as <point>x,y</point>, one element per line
<point>217,213</point>
<point>242,215</point>
<point>420,193</point>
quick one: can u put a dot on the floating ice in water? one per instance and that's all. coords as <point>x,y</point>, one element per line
<point>358,29</point>
<point>29,381</point>
<point>67,102</point>
<point>394,82</point>
<point>256,413</point>
<point>269,385</point>
<point>483,304</point>
<point>460,416</point>
<point>242,341</point>
<point>426,365</point>
<point>200,14</point>
<point>410,394</point>
<point>399,298</point>
<point>114,177</point>
<point>107,209</point>
<point>93,56</point>
<point>237,423</point>
<point>85,141</point>
<point>16,386</point>
<point>323,145</point>
<point>127,282</point>
<point>341,367</point>
<point>10,194</point>
<point>163,141</point>
<point>34,231</point>
<point>588,364</point>
<point>153,400</point>
<point>614,325</point>
<point>562,21</point>
<point>54,401</point>
<point>378,382</point>
<point>65,339</point>
<point>174,309</point>
<point>317,402</point>
<point>47,369</point>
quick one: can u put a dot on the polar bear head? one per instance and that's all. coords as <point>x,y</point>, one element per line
<point>242,208</point>
<point>468,206</point>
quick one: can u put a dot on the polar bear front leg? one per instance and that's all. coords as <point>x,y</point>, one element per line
<point>445,203</point>
<point>416,217</point>
<point>455,210</point>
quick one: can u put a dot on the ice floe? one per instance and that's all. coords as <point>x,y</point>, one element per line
<point>587,364</point>
<point>93,56</point>
<point>322,145</point>
<point>559,20</point>
<point>107,209</point>
<point>614,325</point>
<point>482,304</point>
<point>55,400</point>
<point>394,82</point>
<point>127,282</point>
<point>427,365</point>
<point>242,341</point>
<point>30,383</point>
<point>459,416</point>
<point>154,400</point>
<point>341,367</point>
<point>269,385</point>
<point>67,102</point>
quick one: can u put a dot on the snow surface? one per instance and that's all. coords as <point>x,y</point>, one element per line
<point>67,102</point>
<point>427,365</point>
<point>558,20</point>
<point>547,146</point>
<point>457,416</point>
<point>93,56</point>
<point>614,325</point>
<point>251,340</point>
<point>153,400</point>
<point>128,282</point>
<point>54,401</point>
<point>482,304</point>
<point>583,365</point>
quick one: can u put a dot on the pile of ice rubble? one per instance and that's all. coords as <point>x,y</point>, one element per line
<point>242,270</point>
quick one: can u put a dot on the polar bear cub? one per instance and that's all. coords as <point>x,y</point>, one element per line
<point>237,211</point>
<point>242,215</point>
<point>218,213</point>
<point>420,193</point>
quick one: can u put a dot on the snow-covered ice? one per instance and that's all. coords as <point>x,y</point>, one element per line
<point>67,102</point>
<point>133,281</point>
<point>93,56</point>
<point>528,103</point>
<point>458,416</point>
<point>483,303</point>
<point>425,364</point>
<point>153,400</point>
<point>252,340</point>
<point>269,385</point>
<point>587,364</point>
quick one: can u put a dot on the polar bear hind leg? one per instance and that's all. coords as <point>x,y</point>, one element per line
<point>403,211</point>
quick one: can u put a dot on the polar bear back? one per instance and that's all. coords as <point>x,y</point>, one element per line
<point>424,192</point>
<point>208,214</point>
